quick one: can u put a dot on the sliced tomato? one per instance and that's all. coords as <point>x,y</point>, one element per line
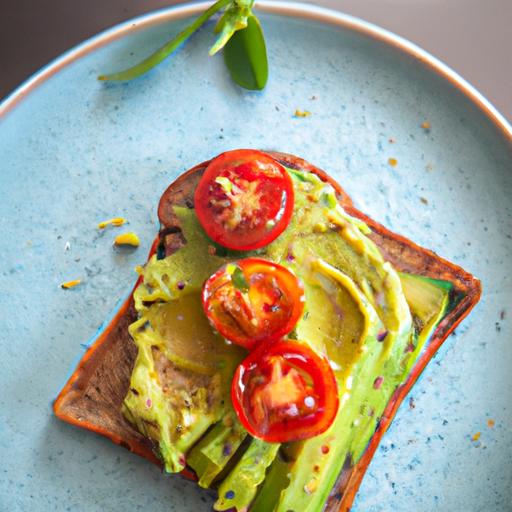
<point>252,300</point>
<point>284,391</point>
<point>244,199</point>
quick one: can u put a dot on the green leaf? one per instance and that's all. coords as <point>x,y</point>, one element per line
<point>239,281</point>
<point>168,48</point>
<point>245,55</point>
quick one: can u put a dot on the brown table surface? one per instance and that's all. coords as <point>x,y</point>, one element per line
<point>471,36</point>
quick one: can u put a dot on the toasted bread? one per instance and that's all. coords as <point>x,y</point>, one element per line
<point>92,397</point>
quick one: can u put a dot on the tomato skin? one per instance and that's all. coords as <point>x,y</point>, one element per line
<point>284,391</point>
<point>265,306</point>
<point>244,199</point>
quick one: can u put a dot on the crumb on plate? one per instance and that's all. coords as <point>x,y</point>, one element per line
<point>302,113</point>
<point>130,239</point>
<point>116,221</point>
<point>70,284</point>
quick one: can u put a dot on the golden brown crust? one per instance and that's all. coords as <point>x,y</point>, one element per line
<point>93,396</point>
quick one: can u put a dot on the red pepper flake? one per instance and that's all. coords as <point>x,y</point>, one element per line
<point>316,468</point>
<point>393,162</point>
<point>325,449</point>
<point>212,250</point>
<point>490,423</point>
<point>425,125</point>
<point>149,403</point>
<point>476,436</point>
<point>182,460</point>
<point>377,383</point>
<point>410,347</point>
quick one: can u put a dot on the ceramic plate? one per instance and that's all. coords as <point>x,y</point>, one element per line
<point>74,151</point>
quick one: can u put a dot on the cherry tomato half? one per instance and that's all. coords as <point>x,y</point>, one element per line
<point>252,300</point>
<point>284,391</point>
<point>244,199</point>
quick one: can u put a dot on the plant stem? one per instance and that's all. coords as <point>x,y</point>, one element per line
<point>168,48</point>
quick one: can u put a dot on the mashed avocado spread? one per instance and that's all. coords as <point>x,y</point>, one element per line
<point>371,322</point>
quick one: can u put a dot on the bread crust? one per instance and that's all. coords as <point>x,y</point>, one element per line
<point>93,395</point>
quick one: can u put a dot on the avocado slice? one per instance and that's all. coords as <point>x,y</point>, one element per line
<point>275,481</point>
<point>429,300</point>
<point>239,488</point>
<point>211,454</point>
<point>171,404</point>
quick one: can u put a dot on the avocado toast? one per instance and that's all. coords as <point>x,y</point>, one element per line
<point>156,379</point>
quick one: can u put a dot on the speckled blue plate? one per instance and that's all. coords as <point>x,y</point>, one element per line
<point>74,151</point>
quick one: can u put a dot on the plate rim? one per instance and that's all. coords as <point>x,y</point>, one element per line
<point>280,7</point>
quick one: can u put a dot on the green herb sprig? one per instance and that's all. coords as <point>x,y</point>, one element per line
<point>238,32</point>
<point>239,281</point>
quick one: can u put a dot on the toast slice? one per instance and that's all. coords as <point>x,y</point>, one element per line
<point>93,395</point>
